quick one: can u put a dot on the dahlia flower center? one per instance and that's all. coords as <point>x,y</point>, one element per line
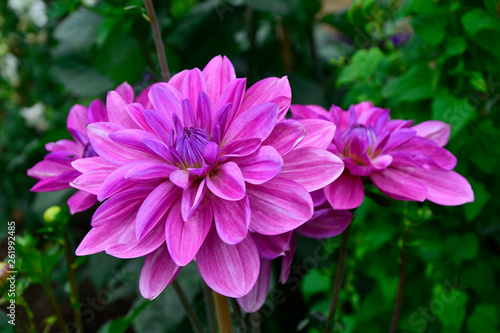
<point>359,139</point>
<point>190,144</point>
<point>88,151</point>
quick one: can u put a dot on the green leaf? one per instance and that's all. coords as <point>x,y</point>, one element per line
<point>454,111</point>
<point>455,45</point>
<point>449,306</point>
<point>477,81</point>
<point>120,325</point>
<point>363,65</point>
<point>484,319</point>
<point>418,83</point>
<point>483,29</point>
<point>314,282</point>
<point>431,31</point>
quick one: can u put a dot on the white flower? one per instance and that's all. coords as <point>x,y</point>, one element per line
<point>8,69</point>
<point>34,116</point>
<point>20,6</point>
<point>90,3</point>
<point>38,13</point>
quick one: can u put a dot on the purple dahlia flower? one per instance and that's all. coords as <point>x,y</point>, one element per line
<point>405,162</point>
<point>55,172</point>
<point>192,173</point>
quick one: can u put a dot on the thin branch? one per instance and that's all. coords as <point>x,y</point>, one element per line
<point>160,48</point>
<point>209,304</point>
<point>239,316</point>
<point>223,314</point>
<point>401,285</point>
<point>75,299</point>
<point>339,280</point>
<point>189,310</point>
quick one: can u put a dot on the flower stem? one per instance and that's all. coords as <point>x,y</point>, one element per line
<point>339,280</point>
<point>401,285</point>
<point>160,48</point>
<point>75,302</point>
<point>237,311</point>
<point>189,310</point>
<point>47,288</point>
<point>223,314</point>
<point>209,304</point>
<point>255,320</point>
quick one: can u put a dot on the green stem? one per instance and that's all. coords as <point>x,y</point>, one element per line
<point>189,310</point>
<point>255,320</point>
<point>401,285</point>
<point>339,280</point>
<point>209,304</point>
<point>21,301</point>
<point>47,288</point>
<point>223,314</point>
<point>75,299</point>
<point>160,48</point>
<point>239,317</point>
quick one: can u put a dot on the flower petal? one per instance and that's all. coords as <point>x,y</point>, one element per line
<point>285,136</point>
<point>77,121</point>
<point>230,270</point>
<point>326,223</point>
<point>311,167</point>
<point>191,198</point>
<point>226,182</point>
<point>92,181</point>
<point>278,206</point>
<point>396,183</point>
<point>117,110</point>
<point>346,192</point>
<point>97,112</point>
<point>184,239</point>
<point>81,201</point>
<point>158,272</point>
<point>434,130</point>
<point>218,72</point>
<point>268,90</point>
<point>319,133</point>
<point>256,122</point>
<point>242,147</point>
<point>154,208</point>
<point>272,247</point>
<point>254,300</point>
<point>232,219</point>
<point>261,166</point>
<point>165,101</point>
<point>91,163</point>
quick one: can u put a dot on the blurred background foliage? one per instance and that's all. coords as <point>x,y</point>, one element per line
<point>423,59</point>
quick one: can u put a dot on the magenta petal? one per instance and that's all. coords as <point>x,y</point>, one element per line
<point>99,238</point>
<point>81,201</point>
<point>132,138</point>
<point>230,270</point>
<point>108,149</point>
<point>154,208</point>
<point>91,163</point>
<point>97,112</point>
<point>272,247</point>
<point>158,272</point>
<point>285,136</point>
<point>226,182</point>
<point>232,219</point>
<point>116,181</point>
<point>326,223</point>
<point>311,167</point>
<point>49,184</point>
<point>185,238</point>
<point>45,169</point>
<point>444,187</point>
<point>254,300</point>
<point>164,101</point>
<point>122,206</point>
<point>180,178</point>
<point>150,169</point>
<point>319,133</point>
<point>308,112</point>
<point>256,122</point>
<point>193,83</point>
<point>159,123</point>
<point>117,110</point>
<point>278,206</point>
<point>427,152</point>
<point>65,145</point>
<point>396,183</point>
<point>143,99</point>
<point>92,181</point>
<point>347,192</point>
<point>261,166</point>
<point>126,92</point>
<point>218,72</point>
<point>399,137</point>
<point>267,90</point>
<point>318,197</point>
<point>136,112</point>
<point>204,112</point>
<point>77,120</point>
<point>232,94</point>
<point>286,263</point>
<point>191,198</point>
<point>242,147</point>
<point>434,130</point>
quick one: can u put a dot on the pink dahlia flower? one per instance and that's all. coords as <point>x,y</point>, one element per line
<point>405,162</point>
<point>55,172</point>
<point>188,175</point>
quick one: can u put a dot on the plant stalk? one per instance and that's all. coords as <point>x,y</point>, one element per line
<point>209,305</point>
<point>223,314</point>
<point>160,48</point>
<point>339,280</point>
<point>47,288</point>
<point>239,316</point>
<point>75,301</point>
<point>189,310</point>
<point>401,285</point>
